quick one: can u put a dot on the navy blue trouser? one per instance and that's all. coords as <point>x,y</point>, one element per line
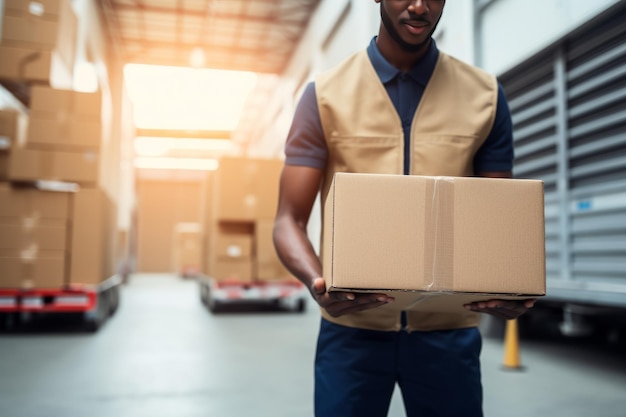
<point>438,372</point>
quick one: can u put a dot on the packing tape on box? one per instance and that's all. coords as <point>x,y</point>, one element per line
<point>438,236</point>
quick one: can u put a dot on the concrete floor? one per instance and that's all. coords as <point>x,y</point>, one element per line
<point>163,354</point>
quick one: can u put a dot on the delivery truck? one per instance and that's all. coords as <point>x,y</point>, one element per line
<point>568,105</point>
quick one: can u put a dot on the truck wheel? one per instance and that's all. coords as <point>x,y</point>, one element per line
<point>94,319</point>
<point>300,306</point>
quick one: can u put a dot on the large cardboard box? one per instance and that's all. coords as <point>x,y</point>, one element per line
<point>31,205</point>
<point>33,237</point>
<point>67,133</point>
<point>246,189</point>
<point>20,270</point>
<point>32,165</point>
<point>56,103</point>
<point>92,254</point>
<point>4,165</point>
<point>40,234</point>
<point>188,248</point>
<point>233,240</point>
<point>233,269</point>
<point>48,26</point>
<point>434,243</point>
<point>268,265</point>
<point>13,126</point>
<point>32,65</point>
<point>64,120</point>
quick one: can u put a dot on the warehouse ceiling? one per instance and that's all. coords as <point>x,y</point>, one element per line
<point>243,35</point>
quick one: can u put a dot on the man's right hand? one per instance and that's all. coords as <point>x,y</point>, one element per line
<point>338,303</point>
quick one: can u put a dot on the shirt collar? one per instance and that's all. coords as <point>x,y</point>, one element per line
<point>420,72</point>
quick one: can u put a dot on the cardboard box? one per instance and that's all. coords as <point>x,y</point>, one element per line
<point>41,235</point>
<point>246,189</point>
<point>31,165</point>
<point>92,254</point>
<point>233,241</point>
<point>268,265</point>
<point>13,126</point>
<point>187,248</point>
<point>42,26</point>
<point>32,205</point>
<point>4,166</point>
<point>33,231</point>
<point>233,269</point>
<point>35,66</point>
<point>33,220</point>
<point>19,270</point>
<point>55,103</point>
<point>47,9</point>
<point>434,243</point>
<point>64,134</point>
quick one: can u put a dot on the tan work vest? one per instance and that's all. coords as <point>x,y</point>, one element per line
<point>364,134</point>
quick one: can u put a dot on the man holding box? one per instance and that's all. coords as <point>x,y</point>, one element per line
<point>399,107</point>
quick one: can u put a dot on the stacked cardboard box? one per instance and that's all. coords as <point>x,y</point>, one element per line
<point>187,248</point>
<point>38,41</point>
<point>62,140</point>
<point>244,197</point>
<point>12,126</point>
<point>33,237</point>
<point>54,238</point>
<point>49,239</point>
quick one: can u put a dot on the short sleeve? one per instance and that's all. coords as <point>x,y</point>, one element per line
<point>306,145</point>
<point>496,153</point>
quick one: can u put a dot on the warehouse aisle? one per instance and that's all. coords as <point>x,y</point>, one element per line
<point>164,354</point>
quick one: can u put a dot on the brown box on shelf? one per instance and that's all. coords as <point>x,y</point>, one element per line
<point>33,237</point>
<point>32,165</point>
<point>233,269</point>
<point>48,102</point>
<point>13,126</point>
<point>19,269</point>
<point>34,66</point>
<point>246,189</point>
<point>67,133</point>
<point>92,251</point>
<point>268,266</point>
<point>49,26</point>
<point>188,248</point>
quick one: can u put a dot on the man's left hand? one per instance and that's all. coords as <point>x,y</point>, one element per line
<point>504,309</point>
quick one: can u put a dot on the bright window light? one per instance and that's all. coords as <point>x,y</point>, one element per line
<point>195,164</point>
<point>177,98</point>
<point>156,146</point>
<point>85,77</point>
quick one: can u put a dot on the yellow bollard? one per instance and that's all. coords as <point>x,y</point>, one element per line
<point>511,346</point>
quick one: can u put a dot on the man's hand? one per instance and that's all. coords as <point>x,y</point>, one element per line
<point>504,309</point>
<point>340,302</point>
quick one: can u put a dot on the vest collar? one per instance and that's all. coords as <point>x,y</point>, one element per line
<point>421,72</point>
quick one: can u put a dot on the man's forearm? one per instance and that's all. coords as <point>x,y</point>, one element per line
<point>295,251</point>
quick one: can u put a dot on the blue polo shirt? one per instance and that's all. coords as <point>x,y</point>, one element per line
<point>306,145</point>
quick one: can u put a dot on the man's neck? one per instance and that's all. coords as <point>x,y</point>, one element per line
<point>396,55</point>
